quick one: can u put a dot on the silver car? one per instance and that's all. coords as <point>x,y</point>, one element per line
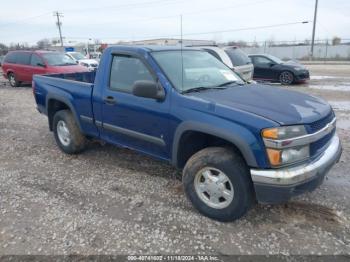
<point>234,58</point>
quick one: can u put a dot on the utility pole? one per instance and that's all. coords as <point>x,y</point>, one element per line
<point>182,58</point>
<point>59,24</point>
<point>181,36</point>
<point>313,31</point>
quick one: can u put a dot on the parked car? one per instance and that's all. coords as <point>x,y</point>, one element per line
<point>20,66</point>
<point>234,144</point>
<point>271,68</point>
<point>91,64</point>
<point>96,56</point>
<point>234,58</point>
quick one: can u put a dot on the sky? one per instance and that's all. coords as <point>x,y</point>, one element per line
<point>220,20</point>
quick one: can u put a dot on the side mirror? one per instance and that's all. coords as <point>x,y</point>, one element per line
<point>271,64</point>
<point>41,65</point>
<point>148,89</point>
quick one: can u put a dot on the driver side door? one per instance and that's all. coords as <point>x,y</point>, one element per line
<point>136,122</point>
<point>263,68</point>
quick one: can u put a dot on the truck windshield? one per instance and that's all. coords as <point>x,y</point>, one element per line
<point>58,59</point>
<point>197,70</point>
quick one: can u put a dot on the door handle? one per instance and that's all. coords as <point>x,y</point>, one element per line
<point>109,100</point>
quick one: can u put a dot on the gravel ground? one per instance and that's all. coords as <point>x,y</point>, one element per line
<point>109,200</point>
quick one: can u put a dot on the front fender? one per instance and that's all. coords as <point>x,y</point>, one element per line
<point>240,136</point>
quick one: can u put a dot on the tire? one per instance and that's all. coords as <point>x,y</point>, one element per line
<point>218,161</point>
<point>286,78</point>
<point>67,133</point>
<point>13,80</point>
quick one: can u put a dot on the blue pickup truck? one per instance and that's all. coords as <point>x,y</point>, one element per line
<point>235,143</point>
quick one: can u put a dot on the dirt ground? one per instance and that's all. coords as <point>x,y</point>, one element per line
<point>109,200</point>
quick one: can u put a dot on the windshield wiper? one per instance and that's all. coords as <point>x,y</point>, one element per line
<point>228,83</point>
<point>200,88</point>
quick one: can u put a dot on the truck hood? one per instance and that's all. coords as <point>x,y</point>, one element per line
<point>280,105</point>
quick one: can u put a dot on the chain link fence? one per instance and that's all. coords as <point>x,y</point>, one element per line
<point>324,50</point>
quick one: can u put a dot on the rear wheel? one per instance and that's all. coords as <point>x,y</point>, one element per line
<point>217,182</point>
<point>67,133</point>
<point>286,78</point>
<point>13,80</point>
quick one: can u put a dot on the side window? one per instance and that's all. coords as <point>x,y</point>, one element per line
<point>238,57</point>
<point>260,60</point>
<point>35,60</point>
<point>10,58</point>
<point>125,71</point>
<point>23,58</point>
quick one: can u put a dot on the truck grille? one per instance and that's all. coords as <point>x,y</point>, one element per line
<point>319,145</point>
<point>319,124</point>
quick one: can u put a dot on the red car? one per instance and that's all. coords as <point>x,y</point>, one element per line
<point>20,66</point>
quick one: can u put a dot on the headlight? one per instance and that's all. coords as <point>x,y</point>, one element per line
<point>280,157</point>
<point>284,132</point>
<point>288,155</point>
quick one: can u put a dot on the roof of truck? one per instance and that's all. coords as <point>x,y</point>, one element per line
<point>153,47</point>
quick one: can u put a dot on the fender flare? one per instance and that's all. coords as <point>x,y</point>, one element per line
<point>228,135</point>
<point>63,100</point>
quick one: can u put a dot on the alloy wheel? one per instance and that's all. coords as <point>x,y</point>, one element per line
<point>63,133</point>
<point>286,78</point>
<point>214,187</point>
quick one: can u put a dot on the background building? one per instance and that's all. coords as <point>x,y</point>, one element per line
<point>170,41</point>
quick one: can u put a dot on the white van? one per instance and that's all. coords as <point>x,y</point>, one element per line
<point>91,64</point>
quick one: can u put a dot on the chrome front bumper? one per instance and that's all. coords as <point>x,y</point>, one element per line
<point>298,174</point>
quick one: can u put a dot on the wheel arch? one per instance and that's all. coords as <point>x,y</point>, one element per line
<point>190,130</point>
<point>55,104</point>
<point>9,71</point>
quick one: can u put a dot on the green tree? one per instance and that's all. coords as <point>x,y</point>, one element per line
<point>3,49</point>
<point>43,43</point>
<point>336,40</point>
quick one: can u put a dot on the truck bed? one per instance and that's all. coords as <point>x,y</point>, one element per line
<point>86,77</point>
<point>72,89</point>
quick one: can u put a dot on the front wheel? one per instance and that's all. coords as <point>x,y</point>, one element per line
<point>217,182</point>
<point>286,78</point>
<point>67,133</point>
<point>13,80</point>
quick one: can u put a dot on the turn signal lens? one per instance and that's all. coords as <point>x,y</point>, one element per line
<point>285,153</point>
<point>274,156</point>
<point>288,155</point>
<point>270,133</point>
